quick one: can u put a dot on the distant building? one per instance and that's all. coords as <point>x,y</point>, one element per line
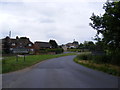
<point>64,47</point>
<point>67,46</point>
<point>75,44</point>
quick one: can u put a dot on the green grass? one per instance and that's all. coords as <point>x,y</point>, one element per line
<point>107,68</point>
<point>9,64</point>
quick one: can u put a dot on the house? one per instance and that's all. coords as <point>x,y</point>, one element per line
<point>74,44</point>
<point>41,45</point>
<point>24,45</point>
<point>64,47</point>
<point>17,44</point>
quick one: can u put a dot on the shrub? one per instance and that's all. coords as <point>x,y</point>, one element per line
<point>57,50</point>
<point>84,56</point>
<point>101,58</point>
<point>115,58</point>
<point>74,50</point>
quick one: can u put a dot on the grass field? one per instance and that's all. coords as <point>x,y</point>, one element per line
<point>105,67</point>
<point>9,64</point>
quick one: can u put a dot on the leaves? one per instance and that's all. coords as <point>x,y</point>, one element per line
<point>108,24</point>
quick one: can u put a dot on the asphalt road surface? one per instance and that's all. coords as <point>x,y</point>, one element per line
<point>60,72</point>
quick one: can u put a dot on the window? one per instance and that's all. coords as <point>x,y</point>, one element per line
<point>11,49</point>
<point>32,50</point>
<point>13,44</point>
<point>29,45</point>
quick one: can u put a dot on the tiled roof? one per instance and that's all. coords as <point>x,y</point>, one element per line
<point>42,44</point>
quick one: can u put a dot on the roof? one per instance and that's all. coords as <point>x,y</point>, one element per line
<point>22,41</point>
<point>43,44</point>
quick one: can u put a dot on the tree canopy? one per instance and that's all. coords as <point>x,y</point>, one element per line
<point>53,43</point>
<point>108,25</point>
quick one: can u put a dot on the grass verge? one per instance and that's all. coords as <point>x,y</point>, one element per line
<point>107,68</point>
<point>9,64</point>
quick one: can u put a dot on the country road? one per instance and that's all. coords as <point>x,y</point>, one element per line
<point>60,72</point>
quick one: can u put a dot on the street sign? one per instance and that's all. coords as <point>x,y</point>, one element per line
<point>20,50</point>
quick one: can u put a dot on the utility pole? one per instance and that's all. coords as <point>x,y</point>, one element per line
<point>9,34</point>
<point>73,40</point>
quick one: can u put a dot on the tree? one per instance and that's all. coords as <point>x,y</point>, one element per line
<point>80,46</point>
<point>6,45</point>
<point>108,25</point>
<point>53,43</point>
<point>89,45</point>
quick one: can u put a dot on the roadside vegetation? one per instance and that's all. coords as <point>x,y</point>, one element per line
<point>97,62</point>
<point>74,50</point>
<point>105,54</point>
<point>10,64</point>
<point>55,50</point>
<point>108,26</point>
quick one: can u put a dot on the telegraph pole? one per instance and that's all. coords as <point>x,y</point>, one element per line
<point>9,33</point>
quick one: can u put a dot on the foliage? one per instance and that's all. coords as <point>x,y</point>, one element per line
<point>74,50</point>
<point>87,45</point>
<point>55,50</point>
<point>101,58</point>
<point>6,46</point>
<point>53,43</point>
<point>84,56</point>
<point>96,58</point>
<point>81,46</point>
<point>108,25</point>
<point>108,68</point>
<point>115,57</point>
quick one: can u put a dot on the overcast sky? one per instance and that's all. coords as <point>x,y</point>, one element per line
<point>42,20</point>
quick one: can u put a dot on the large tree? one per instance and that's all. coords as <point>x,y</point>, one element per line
<point>108,25</point>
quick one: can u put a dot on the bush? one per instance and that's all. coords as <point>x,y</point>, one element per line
<point>115,58</point>
<point>57,50</point>
<point>84,56</point>
<point>43,51</point>
<point>101,58</point>
<point>74,50</point>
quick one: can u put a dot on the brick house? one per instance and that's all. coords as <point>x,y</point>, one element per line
<point>9,44</point>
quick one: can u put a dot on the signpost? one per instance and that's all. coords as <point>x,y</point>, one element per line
<point>20,50</point>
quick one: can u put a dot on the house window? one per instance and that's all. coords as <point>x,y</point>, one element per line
<point>29,45</point>
<point>11,49</point>
<point>13,44</point>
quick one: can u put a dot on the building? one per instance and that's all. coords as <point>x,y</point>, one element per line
<point>74,44</point>
<point>64,47</point>
<point>20,44</point>
<point>23,45</point>
<point>41,45</point>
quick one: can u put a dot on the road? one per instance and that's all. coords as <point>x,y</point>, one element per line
<point>60,72</point>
